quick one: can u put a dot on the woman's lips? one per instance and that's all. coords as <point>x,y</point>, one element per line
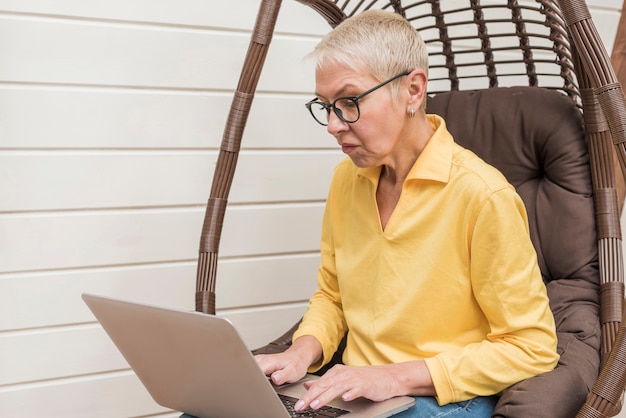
<point>347,148</point>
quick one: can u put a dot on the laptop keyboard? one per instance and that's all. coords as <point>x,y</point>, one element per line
<point>323,412</point>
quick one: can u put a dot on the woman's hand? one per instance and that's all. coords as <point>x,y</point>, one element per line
<point>291,365</point>
<point>283,367</point>
<point>376,383</point>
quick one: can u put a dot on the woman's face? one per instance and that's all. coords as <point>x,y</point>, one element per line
<point>375,138</point>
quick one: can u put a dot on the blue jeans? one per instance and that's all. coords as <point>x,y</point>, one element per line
<point>427,407</point>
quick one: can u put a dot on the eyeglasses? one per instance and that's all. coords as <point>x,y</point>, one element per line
<point>346,108</point>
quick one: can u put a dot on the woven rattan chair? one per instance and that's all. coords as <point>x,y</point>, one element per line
<point>549,48</point>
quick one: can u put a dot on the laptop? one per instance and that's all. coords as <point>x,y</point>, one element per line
<point>198,364</point>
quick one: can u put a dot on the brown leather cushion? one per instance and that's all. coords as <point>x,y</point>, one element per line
<point>536,138</point>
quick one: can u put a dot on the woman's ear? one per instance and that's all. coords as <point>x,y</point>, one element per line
<point>417,85</point>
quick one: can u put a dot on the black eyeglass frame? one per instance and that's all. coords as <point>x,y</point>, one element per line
<point>353,99</point>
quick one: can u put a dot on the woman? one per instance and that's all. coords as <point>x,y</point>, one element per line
<point>426,260</point>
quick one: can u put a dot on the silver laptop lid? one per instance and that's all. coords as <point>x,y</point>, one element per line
<point>188,361</point>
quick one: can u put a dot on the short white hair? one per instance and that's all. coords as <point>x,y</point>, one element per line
<point>383,43</point>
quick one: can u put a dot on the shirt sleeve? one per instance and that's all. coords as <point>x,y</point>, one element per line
<point>508,287</point>
<point>324,318</point>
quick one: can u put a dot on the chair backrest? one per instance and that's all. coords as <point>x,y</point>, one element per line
<point>477,45</point>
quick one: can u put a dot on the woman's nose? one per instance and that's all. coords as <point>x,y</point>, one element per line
<point>335,124</point>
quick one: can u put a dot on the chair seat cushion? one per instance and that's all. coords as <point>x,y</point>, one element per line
<point>536,138</point>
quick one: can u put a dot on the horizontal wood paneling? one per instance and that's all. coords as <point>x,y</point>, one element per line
<point>43,50</point>
<point>86,349</point>
<point>110,118</point>
<point>33,300</point>
<point>186,12</point>
<point>68,352</point>
<point>82,180</point>
<point>111,395</point>
<point>239,15</point>
<point>71,240</point>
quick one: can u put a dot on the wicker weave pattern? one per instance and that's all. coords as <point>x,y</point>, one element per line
<point>472,46</point>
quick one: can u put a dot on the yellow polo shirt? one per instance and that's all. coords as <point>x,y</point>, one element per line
<point>453,278</point>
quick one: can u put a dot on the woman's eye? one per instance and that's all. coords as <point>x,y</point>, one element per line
<point>346,103</point>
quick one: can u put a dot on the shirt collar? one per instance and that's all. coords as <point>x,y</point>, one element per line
<point>435,161</point>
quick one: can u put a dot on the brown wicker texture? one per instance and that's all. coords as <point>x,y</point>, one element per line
<point>551,44</point>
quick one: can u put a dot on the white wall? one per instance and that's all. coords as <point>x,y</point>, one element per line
<point>111,115</point>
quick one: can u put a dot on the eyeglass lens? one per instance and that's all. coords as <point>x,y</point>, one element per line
<point>347,109</point>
